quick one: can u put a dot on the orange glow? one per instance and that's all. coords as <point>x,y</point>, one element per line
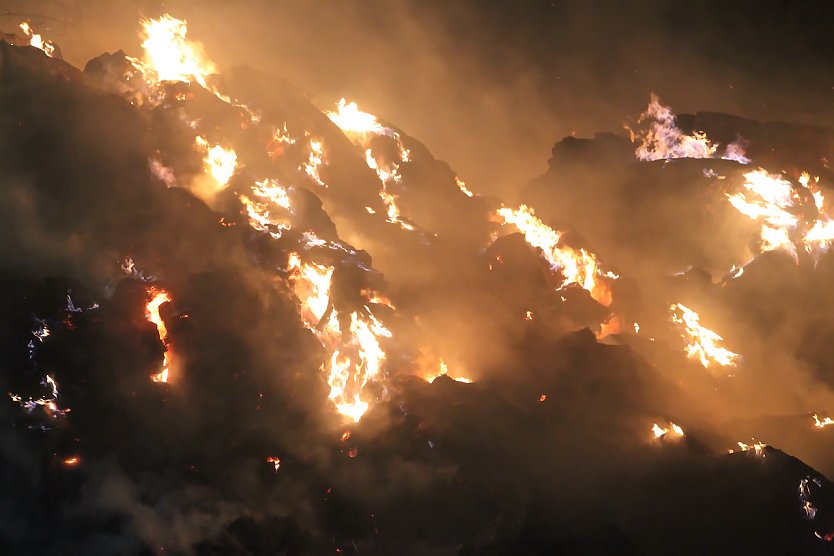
<point>72,461</point>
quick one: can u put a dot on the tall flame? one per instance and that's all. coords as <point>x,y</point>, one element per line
<point>665,140</point>
<point>355,355</point>
<point>170,55</point>
<point>157,298</point>
<point>219,163</point>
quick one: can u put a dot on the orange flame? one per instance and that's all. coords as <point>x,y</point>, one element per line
<point>159,297</point>
<point>577,267</point>
<point>702,343</point>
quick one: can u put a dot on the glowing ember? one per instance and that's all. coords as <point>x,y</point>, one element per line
<point>219,163</point>
<point>822,423</point>
<point>37,41</point>
<point>443,370</point>
<point>577,267</point>
<point>157,298</point>
<point>72,461</point>
<point>543,398</point>
<point>702,343</point>
<point>664,140</point>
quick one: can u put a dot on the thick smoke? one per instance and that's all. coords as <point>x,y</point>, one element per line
<point>550,450</point>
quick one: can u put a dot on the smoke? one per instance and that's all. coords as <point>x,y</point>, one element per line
<point>549,450</point>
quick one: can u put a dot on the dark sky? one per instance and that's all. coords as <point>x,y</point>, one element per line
<point>489,86</point>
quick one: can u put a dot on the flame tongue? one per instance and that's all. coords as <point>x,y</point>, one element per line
<point>352,340</point>
<point>702,343</point>
<point>577,267</point>
<point>158,298</point>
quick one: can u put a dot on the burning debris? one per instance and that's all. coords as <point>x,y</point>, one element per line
<point>322,260</point>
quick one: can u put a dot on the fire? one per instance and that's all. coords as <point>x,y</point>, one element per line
<point>671,431</point>
<point>170,55</point>
<point>664,140</point>
<point>462,186</point>
<point>355,355</point>
<point>157,298</point>
<point>219,163</point>
<point>361,127</point>
<point>279,141</point>
<point>36,40</point>
<point>778,205</point>
<point>770,199</point>
<point>275,461</point>
<point>702,343</point>
<point>72,461</point>
<point>822,423</point>
<point>315,161</point>
<point>757,448</point>
<point>270,212</point>
<point>48,404</point>
<point>577,267</point>
<point>443,370</point>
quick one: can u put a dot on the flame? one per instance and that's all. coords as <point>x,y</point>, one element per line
<point>671,431</point>
<point>777,204</point>
<point>274,198</point>
<point>355,355</point>
<point>822,423</point>
<point>702,343</point>
<point>48,404</point>
<point>72,461</point>
<point>279,141</point>
<point>275,461</point>
<point>219,163</point>
<point>170,55</point>
<point>577,267</point>
<point>664,140</point>
<point>757,448</point>
<point>36,40</point>
<point>443,370</point>
<point>771,199</point>
<point>462,186</point>
<point>361,127</point>
<point>315,161</point>
<point>157,298</point>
